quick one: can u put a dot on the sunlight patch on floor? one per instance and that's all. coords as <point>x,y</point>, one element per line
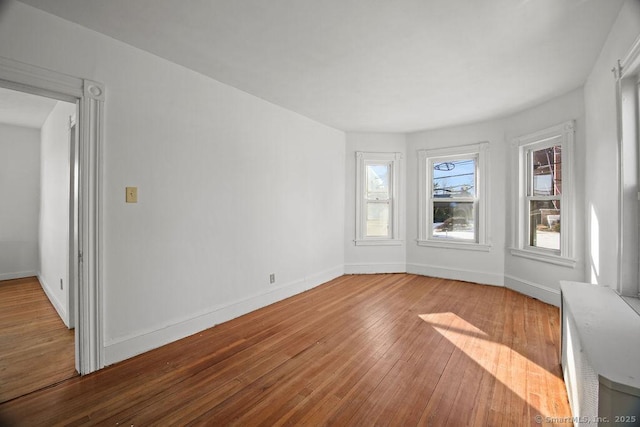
<point>519,374</point>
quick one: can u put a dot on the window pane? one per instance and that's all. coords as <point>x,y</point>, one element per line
<point>454,178</point>
<point>544,224</point>
<point>454,220</point>
<point>377,220</point>
<point>547,171</point>
<point>378,182</point>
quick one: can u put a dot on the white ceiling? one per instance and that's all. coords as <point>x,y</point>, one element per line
<point>23,109</point>
<point>369,65</point>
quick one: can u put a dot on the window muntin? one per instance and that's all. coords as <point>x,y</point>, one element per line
<point>627,73</point>
<point>545,168</point>
<point>376,198</point>
<point>544,195</point>
<point>544,224</point>
<point>453,200</point>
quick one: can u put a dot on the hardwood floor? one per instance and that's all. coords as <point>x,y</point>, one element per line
<point>393,349</point>
<point>36,348</point>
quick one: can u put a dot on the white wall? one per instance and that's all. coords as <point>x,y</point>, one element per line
<point>374,259</point>
<point>594,111</point>
<point>536,278</point>
<point>601,199</point>
<point>20,195</point>
<point>230,188</point>
<point>498,266</point>
<point>473,266</point>
<point>54,208</point>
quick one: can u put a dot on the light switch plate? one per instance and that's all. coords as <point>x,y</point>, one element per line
<point>132,195</point>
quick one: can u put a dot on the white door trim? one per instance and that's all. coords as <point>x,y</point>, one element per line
<point>88,276</point>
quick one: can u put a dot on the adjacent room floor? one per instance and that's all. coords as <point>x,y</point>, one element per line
<point>36,348</point>
<point>393,349</point>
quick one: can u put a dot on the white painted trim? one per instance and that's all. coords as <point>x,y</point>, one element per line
<point>324,276</point>
<point>378,242</point>
<point>543,257</point>
<point>375,268</point>
<point>423,183</point>
<point>17,275</point>
<point>628,105</point>
<point>474,276</point>
<point>40,81</point>
<point>521,145</point>
<point>463,246</point>
<point>633,302</point>
<point>481,152</point>
<point>89,288</point>
<point>534,290</point>
<point>72,267</point>
<point>631,62</point>
<point>125,347</point>
<point>54,301</point>
<point>457,150</point>
<point>394,160</point>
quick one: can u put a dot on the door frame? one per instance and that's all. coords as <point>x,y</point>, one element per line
<point>85,238</point>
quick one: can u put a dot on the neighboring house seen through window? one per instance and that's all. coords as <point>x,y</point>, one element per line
<point>544,195</point>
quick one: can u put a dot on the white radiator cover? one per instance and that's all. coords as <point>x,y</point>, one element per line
<point>580,378</point>
<point>600,356</point>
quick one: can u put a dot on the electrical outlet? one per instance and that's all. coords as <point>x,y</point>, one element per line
<point>272,278</point>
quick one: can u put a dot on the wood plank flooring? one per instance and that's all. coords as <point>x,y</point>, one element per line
<point>392,349</point>
<point>36,348</point>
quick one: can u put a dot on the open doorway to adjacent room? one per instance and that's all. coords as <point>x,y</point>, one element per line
<point>38,234</point>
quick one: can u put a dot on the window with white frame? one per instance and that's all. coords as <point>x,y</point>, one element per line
<point>627,73</point>
<point>377,198</point>
<point>544,195</point>
<point>453,197</point>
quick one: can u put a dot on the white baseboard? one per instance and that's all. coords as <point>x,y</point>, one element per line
<point>534,290</point>
<point>122,348</point>
<point>18,275</point>
<point>62,312</point>
<point>375,268</point>
<point>473,276</point>
<point>126,347</point>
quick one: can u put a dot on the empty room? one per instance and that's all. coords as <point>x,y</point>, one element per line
<point>297,212</point>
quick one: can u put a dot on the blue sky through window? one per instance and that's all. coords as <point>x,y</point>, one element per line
<point>454,178</point>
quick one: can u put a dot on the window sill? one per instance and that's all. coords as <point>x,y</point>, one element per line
<point>378,242</point>
<point>543,257</point>
<point>634,302</point>
<point>455,245</point>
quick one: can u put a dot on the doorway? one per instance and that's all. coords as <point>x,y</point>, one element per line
<point>85,241</point>
<point>37,291</point>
